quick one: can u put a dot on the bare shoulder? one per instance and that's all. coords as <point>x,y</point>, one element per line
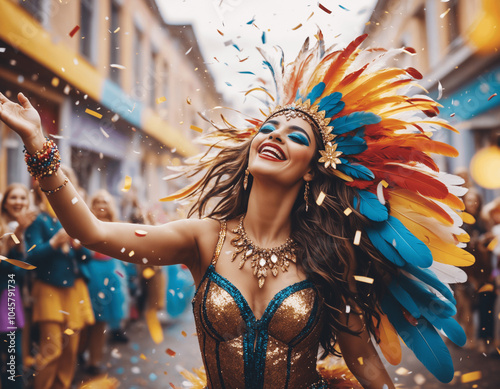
<point>206,232</point>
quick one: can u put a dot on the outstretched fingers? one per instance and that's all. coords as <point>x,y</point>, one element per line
<point>23,100</point>
<point>3,99</point>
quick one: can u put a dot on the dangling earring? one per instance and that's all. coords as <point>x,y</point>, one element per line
<point>245,180</point>
<point>306,195</point>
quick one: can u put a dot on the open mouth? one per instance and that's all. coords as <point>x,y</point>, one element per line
<point>271,151</point>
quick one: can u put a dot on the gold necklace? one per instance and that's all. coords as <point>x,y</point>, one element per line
<point>262,259</point>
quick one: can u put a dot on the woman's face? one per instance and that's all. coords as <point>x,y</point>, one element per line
<point>100,207</point>
<point>16,202</point>
<point>283,149</point>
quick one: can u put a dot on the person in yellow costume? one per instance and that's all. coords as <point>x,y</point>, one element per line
<point>320,225</point>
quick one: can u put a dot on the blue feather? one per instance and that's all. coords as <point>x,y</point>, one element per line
<point>404,298</point>
<point>351,145</point>
<point>370,206</point>
<point>422,339</point>
<point>387,249</point>
<point>298,95</point>
<point>428,276</point>
<point>425,299</point>
<point>450,327</point>
<point>316,92</point>
<point>410,248</point>
<point>331,104</point>
<point>353,121</point>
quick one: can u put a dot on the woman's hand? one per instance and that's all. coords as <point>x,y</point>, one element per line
<point>22,117</point>
<point>25,218</point>
<point>61,240</point>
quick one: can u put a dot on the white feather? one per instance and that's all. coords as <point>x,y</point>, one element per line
<point>448,274</point>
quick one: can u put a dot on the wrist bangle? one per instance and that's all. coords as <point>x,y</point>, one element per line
<point>44,162</point>
<point>49,192</point>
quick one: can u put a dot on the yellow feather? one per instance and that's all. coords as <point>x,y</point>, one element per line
<point>339,174</point>
<point>182,192</point>
<point>389,341</point>
<point>467,217</point>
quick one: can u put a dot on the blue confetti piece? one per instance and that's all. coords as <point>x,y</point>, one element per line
<point>134,359</point>
<point>120,370</point>
<point>263,37</point>
<point>135,346</point>
<point>251,21</point>
<point>246,72</point>
<point>228,84</point>
<point>236,47</point>
<point>153,377</point>
<point>344,8</point>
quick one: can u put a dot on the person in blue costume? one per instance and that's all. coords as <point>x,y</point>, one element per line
<point>15,217</point>
<point>108,287</point>
<point>320,224</point>
<point>61,302</point>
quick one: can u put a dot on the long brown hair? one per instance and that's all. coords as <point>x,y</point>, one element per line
<point>324,235</point>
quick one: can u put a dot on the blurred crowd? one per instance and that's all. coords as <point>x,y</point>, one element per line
<point>67,311</point>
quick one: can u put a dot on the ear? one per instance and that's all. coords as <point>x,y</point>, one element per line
<point>309,175</point>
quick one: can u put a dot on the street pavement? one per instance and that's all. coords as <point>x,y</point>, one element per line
<point>143,364</point>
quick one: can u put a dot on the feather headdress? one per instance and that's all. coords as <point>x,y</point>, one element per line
<point>378,141</point>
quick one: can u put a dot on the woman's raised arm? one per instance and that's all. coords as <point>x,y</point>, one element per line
<point>168,244</point>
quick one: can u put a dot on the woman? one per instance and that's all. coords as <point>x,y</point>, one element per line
<point>61,303</point>
<point>319,260</point>
<point>107,287</point>
<point>15,217</point>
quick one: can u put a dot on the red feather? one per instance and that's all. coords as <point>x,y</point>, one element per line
<point>380,153</point>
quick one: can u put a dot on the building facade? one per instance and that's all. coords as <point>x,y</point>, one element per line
<point>459,74</point>
<point>115,85</point>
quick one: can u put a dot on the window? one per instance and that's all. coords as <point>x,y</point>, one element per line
<point>86,17</point>
<point>114,44</point>
<point>35,8</point>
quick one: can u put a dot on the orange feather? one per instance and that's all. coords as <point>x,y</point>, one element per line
<point>389,341</point>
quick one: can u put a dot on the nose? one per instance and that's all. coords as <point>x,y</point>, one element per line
<point>276,137</point>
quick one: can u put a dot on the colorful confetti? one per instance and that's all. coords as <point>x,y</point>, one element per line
<point>196,128</point>
<point>444,13</point>
<point>297,27</point>
<point>93,113</point>
<point>18,263</point>
<point>127,184</point>
<point>472,376</point>
<point>74,31</point>
<point>131,254</point>
<point>220,32</point>
<point>493,95</point>
<point>154,326</point>
<point>141,233</point>
<point>106,135</point>
<point>366,280</point>
<point>148,273</point>
<point>160,100</point>
<point>117,66</point>
<point>357,238</point>
<point>69,331</point>
<point>347,211</point>
<point>184,333</point>
<point>15,239</point>
<point>263,37</point>
<point>31,248</point>
<point>323,8</point>
<point>344,8</point>
<point>321,198</point>
<point>170,352</point>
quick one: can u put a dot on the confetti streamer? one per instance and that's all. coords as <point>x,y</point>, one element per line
<point>187,52</point>
<point>320,199</point>
<point>444,13</point>
<point>196,128</point>
<point>74,31</point>
<point>220,32</point>
<point>366,280</point>
<point>323,8</point>
<point>106,135</point>
<point>472,376</point>
<point>93,113</point>
<point>493,95</point>
<point>297,27</point>
<point>119,274</point>
<point>310,16</point>
<point>18,263</point>
<point>117,66</point>
<point>357,238</point>
<point>344,8</point>
<point>117,29</point>
<point>31,248</point>
<point>360,360</point>
<point>188,100</point>
<point>128,184</point>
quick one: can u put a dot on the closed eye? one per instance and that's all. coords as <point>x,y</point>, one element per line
<point>267,128</point>
<point>299,138</point>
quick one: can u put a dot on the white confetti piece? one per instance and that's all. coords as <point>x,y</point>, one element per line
<point>74,200</point>
<point>320,199</point>
<point>117,66</point>
<point>357,238</point>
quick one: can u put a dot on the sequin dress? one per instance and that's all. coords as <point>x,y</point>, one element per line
<point>279,350</point>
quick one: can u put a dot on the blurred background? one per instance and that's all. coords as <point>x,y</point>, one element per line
<point>119,85</point>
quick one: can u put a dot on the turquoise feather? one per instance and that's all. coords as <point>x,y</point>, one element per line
<point>387,249</point>
<point>331,104</point>
<point>316,92</point>
<point>428,276</point>
<point>370,206</point>
<point>422,339</point>
<point>450,327</point>
<point>404,298</point>
<point>351,145</point>
<point>355,170</point>
<point>353,121</point>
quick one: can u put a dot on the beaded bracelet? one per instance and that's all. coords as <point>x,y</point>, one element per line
<point>44,162</point>
<point>52,191</point>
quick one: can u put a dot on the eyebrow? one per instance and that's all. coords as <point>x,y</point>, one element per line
<point>295,128</point>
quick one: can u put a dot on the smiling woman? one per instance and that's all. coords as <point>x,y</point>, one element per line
<point>318,227</point>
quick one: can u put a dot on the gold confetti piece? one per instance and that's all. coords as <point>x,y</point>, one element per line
<point>384,183</point>
<point>170,352</point>
<point>74,31</point>
<point>154,325</point>
<point>117,66</point>
<point>297,27</point>
<point>93,113</point>
<point>128,184</point>
<point>160,100</point>
<point>357,238</point>
<point>321,198</point>
<point>55,82</point>
<point>184,333</point>
<point>15,239</point>
<point>491,246</point>
<point>148,273</point>
<point>402,371</point>
<point>188,100</point>
<point>347,211</point>
<point>106,135</point>
<point>18,263</point>
<point>196,128</point>
<point>472,376</point>
<point>143,357</point>
<point>220,32</point>
<point>131,254</point>
<point>493,95</point>
<point>444,13</point>
<point>141,233</point>
<point>31,248</point>
<point>366,280</point>
<point>69,331</point>
<point>310,16</point>
<point>117,29</point>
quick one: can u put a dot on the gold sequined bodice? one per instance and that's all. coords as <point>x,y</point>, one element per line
<point>279,350</point>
